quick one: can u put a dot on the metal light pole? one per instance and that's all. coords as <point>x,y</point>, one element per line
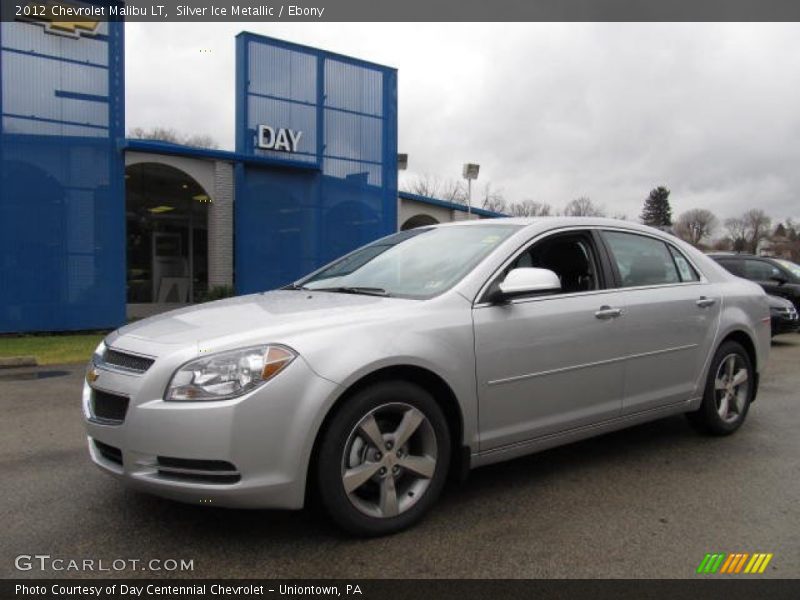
<point>469,173</point>
<point>402,165</point>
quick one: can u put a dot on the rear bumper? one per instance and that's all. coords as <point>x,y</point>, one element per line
<point>250,452</point>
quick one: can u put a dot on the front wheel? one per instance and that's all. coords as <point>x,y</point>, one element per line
<point>383,459</point>
<point>728,393</point>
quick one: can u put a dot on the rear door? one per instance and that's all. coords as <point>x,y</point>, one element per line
<point>671,317</point>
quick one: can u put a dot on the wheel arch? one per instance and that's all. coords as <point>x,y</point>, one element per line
<point>442,393</point>
<point>746,341</point>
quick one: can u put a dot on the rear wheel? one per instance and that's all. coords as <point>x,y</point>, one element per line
<point>383,459</point>
<point>728,392</point>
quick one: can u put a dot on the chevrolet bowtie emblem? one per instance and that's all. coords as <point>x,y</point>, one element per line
<point>92,375</point>
<point>51,16</point>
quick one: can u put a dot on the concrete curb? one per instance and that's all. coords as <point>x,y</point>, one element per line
<point>18,361</point>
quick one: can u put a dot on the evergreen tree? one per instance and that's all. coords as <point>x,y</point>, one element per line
<point>657,211</point>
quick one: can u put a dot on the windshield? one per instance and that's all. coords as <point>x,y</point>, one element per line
<point>419,263</point>
<point>793,268</point>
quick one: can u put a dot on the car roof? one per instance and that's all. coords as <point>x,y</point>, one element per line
<point>738,255</point>
<point>778,300</point>
<point>555,222</point>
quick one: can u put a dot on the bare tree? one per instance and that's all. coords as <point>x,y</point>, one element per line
<point>757,226</point>
<point>695,225</point>
<point>530,208</point>
<point>785,243</point>
<point>167,134</point>
<point>737,231</point>
<point>493,199</point>
<point>722,244</point>
<point>497,205</point>
<point>432,186</point>
<point>792,229</point>
<point>583,207</point>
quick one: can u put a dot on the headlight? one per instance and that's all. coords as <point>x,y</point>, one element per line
<point>97,355</point>
<point>96,359</point>
<point>228,374</point>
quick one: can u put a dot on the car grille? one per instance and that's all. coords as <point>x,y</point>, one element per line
<point>110,453</point>
<point>201,471</point>
<point>129,362</point>
<point>108,408</point>
<point>787,313</point>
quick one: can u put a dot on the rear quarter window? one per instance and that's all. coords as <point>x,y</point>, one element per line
<point>685,269</point>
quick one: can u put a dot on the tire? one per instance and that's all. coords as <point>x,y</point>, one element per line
<point>360,469</point>
<point>709,417</point>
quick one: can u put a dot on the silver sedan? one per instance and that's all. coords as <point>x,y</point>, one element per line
<point>428,352</point>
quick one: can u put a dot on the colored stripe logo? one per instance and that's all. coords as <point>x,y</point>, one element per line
<point>734,563</point>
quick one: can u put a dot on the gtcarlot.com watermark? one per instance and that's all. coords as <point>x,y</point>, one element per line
<point>48,563</point>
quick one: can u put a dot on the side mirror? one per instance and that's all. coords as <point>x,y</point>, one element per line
<point>779,278</point>
<point>528,280</point>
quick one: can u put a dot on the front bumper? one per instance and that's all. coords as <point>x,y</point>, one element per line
<point>249,452</point>
<point>784,323</point>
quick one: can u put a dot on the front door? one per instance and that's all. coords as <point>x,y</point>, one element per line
<point>550,363</point>
<point>765,273</point>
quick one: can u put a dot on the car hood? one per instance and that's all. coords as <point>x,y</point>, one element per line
<point>266,317</point>
<point>778,302</point>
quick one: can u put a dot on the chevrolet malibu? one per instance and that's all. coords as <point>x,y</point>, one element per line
<point>428,352</point>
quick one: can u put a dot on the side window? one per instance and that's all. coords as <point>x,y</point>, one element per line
<point>641,260</point>
<point>734,266</point>
<point>570,256</point>
<point>758,270</point>
<point>685,268</point>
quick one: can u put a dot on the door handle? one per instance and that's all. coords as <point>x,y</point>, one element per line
<point>606,312</point>
<point>704,302</point>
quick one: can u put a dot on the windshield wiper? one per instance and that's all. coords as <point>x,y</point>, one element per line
<point>294,286</point>
<point>345,289</point>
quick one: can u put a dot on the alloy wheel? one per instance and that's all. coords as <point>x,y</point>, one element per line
<point>389,460</point>
<point>731,387</point>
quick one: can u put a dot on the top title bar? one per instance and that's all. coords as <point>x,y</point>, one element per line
<point>401,10</point>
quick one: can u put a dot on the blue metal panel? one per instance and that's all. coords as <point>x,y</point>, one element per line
<point>481,212</point>
<point>288,223</point>
<point>158,147</point>
<point>62,220</point>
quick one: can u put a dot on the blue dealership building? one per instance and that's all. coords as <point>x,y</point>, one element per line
<point>96,228</point>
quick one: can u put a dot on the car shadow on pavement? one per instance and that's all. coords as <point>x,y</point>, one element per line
<point>641,445</point>
<point>784,342</point>
<point>216,522</point>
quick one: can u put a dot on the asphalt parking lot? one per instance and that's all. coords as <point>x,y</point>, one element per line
<point>646,502</point>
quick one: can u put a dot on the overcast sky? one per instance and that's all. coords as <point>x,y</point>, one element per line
<point>549,111</point>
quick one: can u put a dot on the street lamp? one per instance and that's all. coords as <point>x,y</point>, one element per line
<point>469,173</point>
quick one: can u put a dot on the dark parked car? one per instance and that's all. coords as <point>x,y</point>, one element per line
<point>777,276</point>
<point>783,315</point>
